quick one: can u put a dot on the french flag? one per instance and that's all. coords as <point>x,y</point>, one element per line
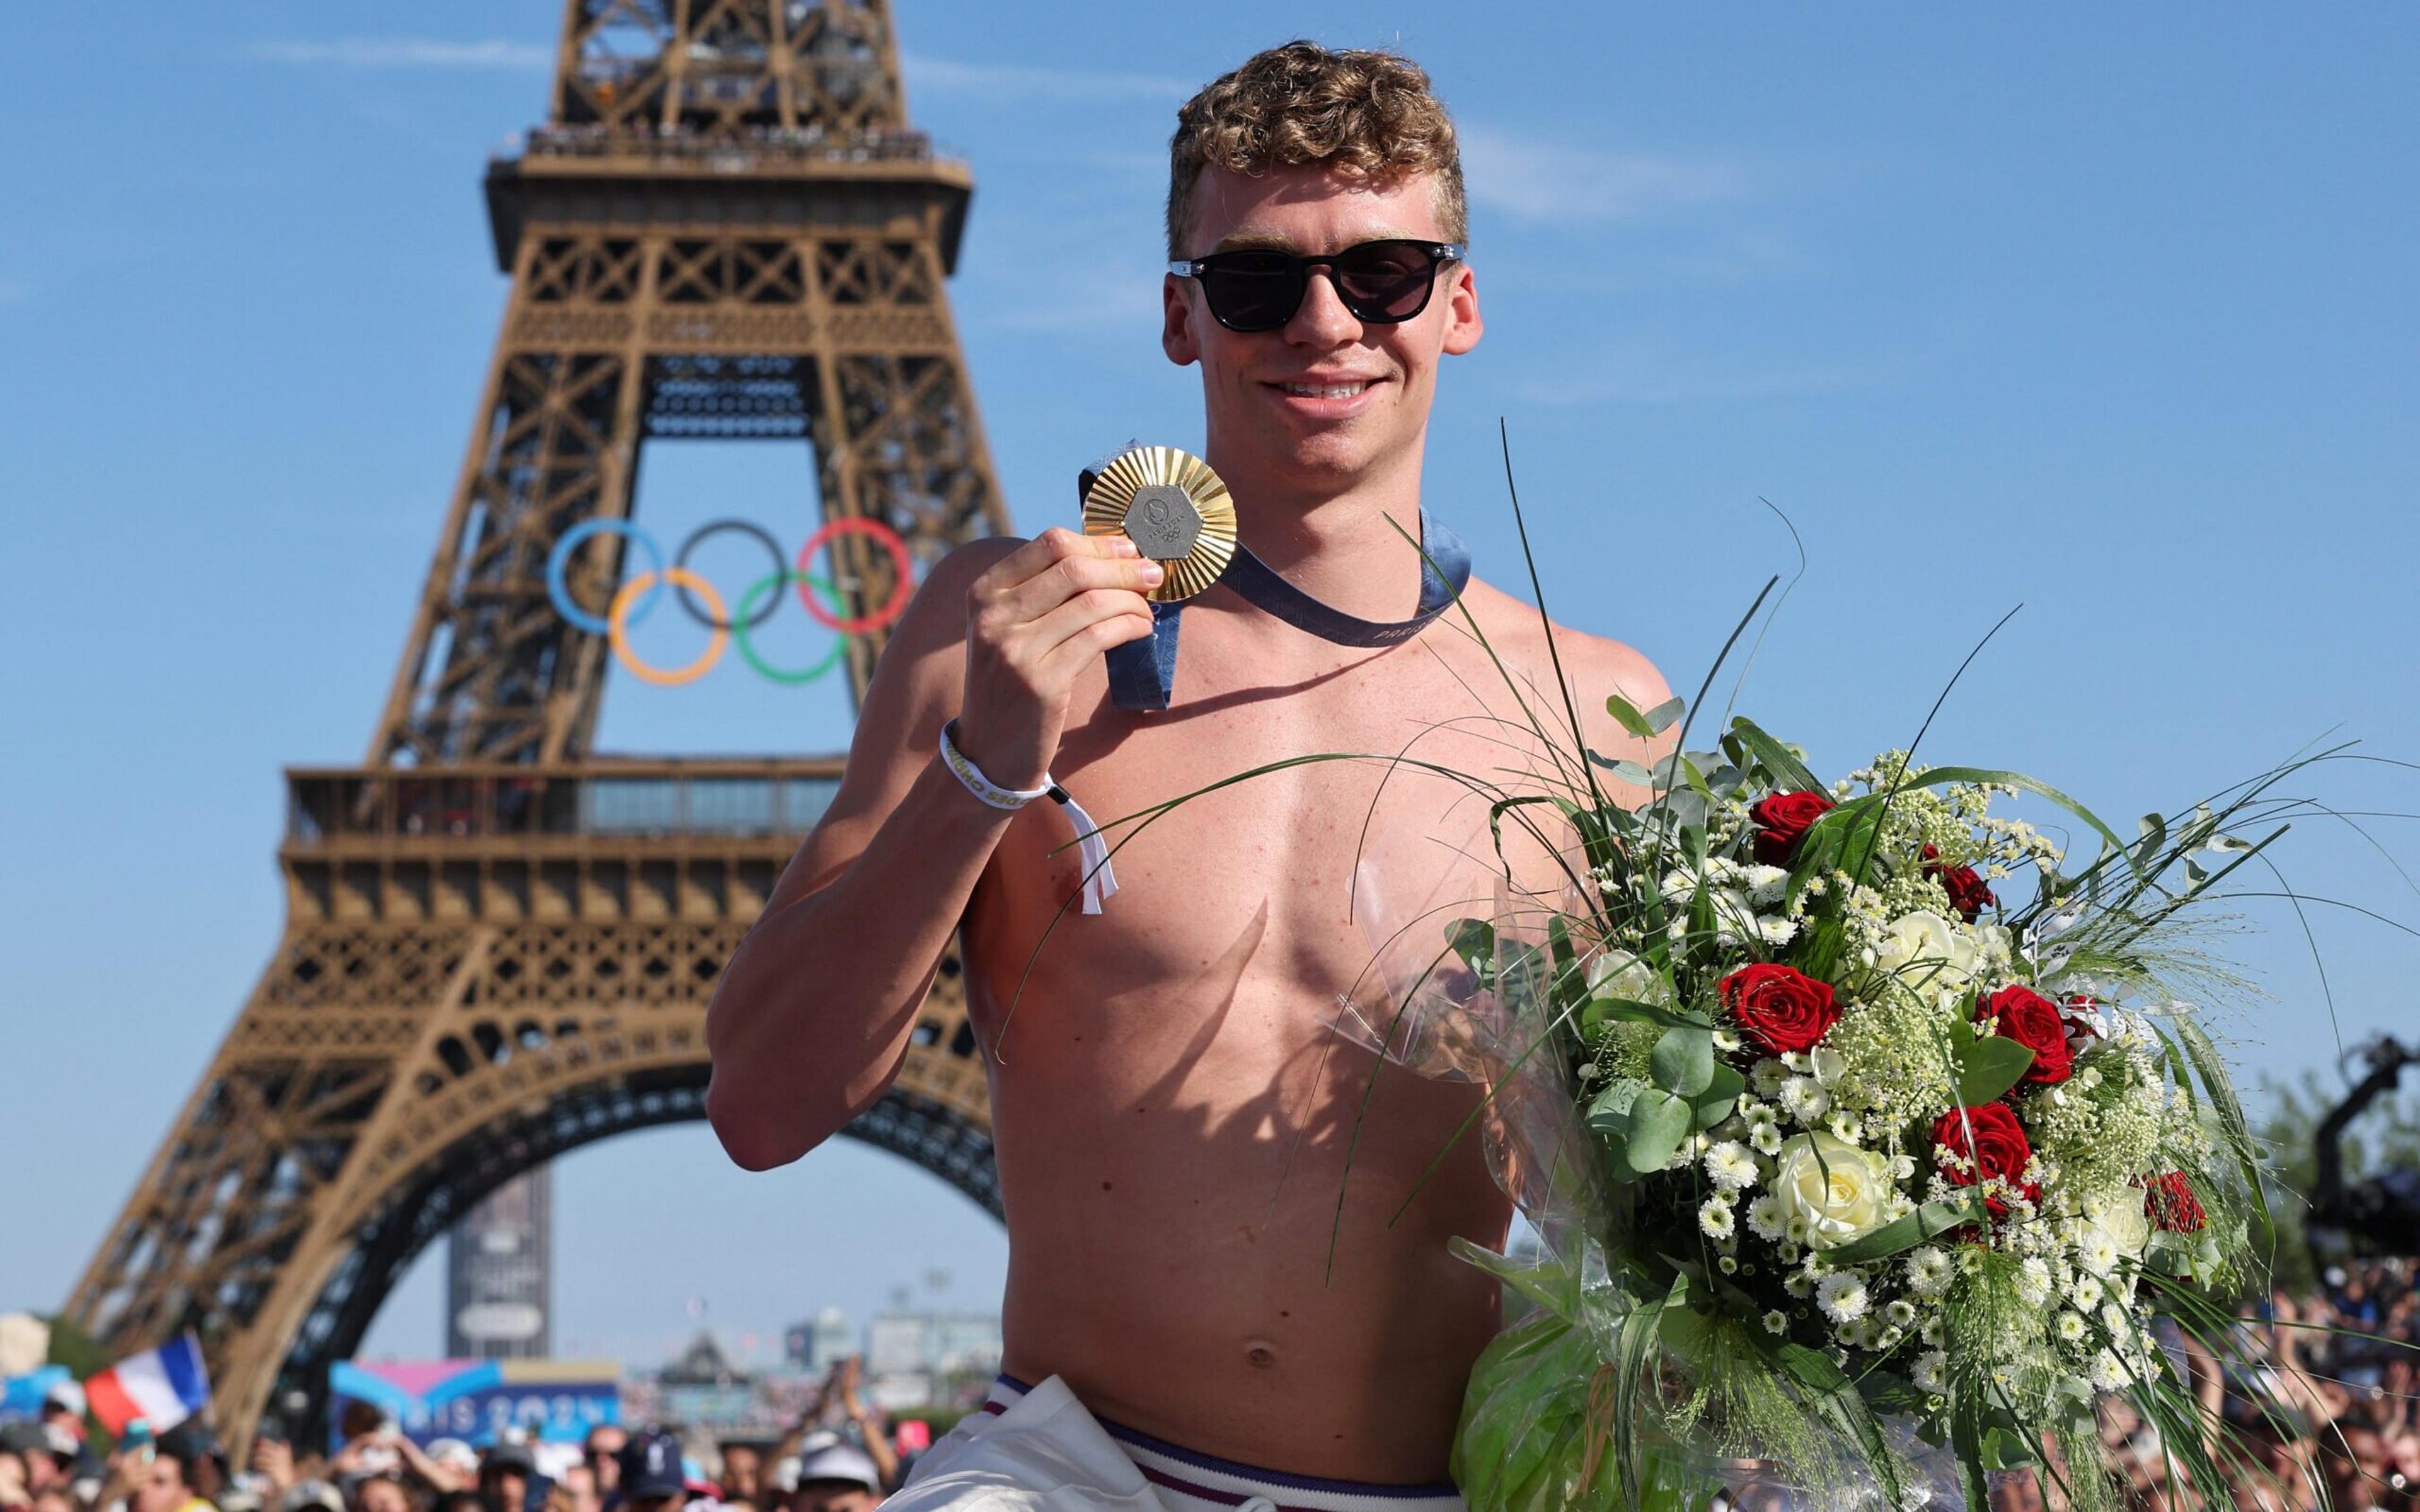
<point>163,1386</point>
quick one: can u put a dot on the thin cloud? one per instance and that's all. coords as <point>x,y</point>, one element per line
<point>1533,180</point>
<point>406,53</point>
<point>1017,84</point>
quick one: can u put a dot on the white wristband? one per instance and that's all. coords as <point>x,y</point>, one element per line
<point>982,786</point>
<point>1091,850</point>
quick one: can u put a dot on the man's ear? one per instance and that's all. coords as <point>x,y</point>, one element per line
<point>1178,336</point>
<point>1463,327</point>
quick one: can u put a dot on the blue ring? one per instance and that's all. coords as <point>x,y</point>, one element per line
<point>559,588</point>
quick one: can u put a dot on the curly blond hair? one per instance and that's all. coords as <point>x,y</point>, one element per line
<point>1364,114</point>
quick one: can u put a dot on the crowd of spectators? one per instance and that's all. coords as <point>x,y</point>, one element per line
<point>836,1458</point>
<point>2321,1394</point>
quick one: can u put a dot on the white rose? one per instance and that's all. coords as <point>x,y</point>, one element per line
<point>1837,1189</point>
<point>2121,1215</point>
<point>1929,952</point>
<point>1621,974</point>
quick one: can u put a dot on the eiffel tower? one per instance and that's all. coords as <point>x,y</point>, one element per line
<point>500,943</point>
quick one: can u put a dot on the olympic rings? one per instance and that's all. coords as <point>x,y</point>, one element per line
<point>618,617</point>
<point>903,584</point>
<point>637,596</point>
<point>773,548</point>
<point>558,586</point>
<point>769,589</point>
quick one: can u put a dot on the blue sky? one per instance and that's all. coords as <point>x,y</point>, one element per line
<point>2109,311</point>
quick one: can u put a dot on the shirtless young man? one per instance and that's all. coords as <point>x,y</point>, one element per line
<point>1170,1105</point>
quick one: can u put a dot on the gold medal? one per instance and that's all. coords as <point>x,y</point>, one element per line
<point>1173,508</point>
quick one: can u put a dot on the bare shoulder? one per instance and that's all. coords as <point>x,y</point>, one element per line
<point>1591,666</point>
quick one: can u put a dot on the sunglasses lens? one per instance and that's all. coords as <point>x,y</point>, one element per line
<point>1253,291</point>
<point>1385,280</point>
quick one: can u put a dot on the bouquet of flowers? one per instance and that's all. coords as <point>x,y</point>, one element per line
<point>1862,1156</point>
<point>1869,1139</point>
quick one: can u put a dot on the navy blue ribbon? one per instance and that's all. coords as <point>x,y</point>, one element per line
<point>1142,672</point>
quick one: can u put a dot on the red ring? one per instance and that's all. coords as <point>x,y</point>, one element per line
<point>889,540</point>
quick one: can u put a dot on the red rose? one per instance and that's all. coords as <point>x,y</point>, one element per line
<point>1779,1009</point>
<point>2171,1204</point>
<point>2025,1015</point>
<point>1780,819</point>
<point>1968,893</point>
<point>1976,1145</point>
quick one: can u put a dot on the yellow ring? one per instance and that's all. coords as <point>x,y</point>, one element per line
<point>621,638</point>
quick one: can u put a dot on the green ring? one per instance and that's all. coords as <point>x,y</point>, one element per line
<point>774,582</point>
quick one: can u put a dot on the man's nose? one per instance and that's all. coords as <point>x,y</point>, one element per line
<point>1321,319</point>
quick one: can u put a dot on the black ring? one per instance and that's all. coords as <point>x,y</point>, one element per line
<point>773,548</point>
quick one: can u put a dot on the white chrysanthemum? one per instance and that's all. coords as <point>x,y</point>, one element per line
<point>2088,1292</point>
<point>1726,1040</point>
<point>1777,1321</point>
<point>2096,1251</point>
<point>1730,1166</point>
<point>1715,1219</point>
<point>1929,1272</point>
<point>2033,1281</point>
<point>1798,1283</point>
<point>1776,930</point>
<point>1727,1264</point>
<point>2108,1372</point>
<point>2113,1318</point>
<point>1677,886</point>
<point>1930,1372</point>
<point>1764,1218</point>
<point>2071,1327</point>
<point>1842,1296</point>
<point>1766,883</point>
<point>1766,1137</point>
<point>1901,1312</point>
<point>1766,1077</point>
<point>1847,1127</point>
<point>1804,1099</point>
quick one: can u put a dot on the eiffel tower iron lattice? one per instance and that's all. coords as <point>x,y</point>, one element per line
<point>500,944</point>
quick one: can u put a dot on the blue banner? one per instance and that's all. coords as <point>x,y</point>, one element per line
<point>474,1399</point>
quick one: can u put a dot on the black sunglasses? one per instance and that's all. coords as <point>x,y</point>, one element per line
<point>1382,283</point>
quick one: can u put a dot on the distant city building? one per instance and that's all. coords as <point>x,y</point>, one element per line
<point>896,1344</point>
<point>817,1347</point>
<point>912,1359</point>
<point>496,1281</point>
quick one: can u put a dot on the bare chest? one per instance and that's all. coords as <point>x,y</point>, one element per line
<point>1290,816</point>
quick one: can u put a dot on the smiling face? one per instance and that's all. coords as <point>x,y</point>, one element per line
<point>1326,403</point>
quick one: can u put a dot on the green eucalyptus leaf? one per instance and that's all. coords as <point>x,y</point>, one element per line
<point>1629,771</point>
<point>1713,1105</point>
<point>1684,1060</point>
<point>1660,717</point>
<point>1657,1124</point>
<point>1611,1108</point>
<point>1626,714</point>
<point>1990,1067</point>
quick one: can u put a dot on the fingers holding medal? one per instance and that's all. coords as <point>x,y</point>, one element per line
<point>1172,507</point>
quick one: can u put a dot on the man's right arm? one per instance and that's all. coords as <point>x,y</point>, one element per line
<point>814,1012</point>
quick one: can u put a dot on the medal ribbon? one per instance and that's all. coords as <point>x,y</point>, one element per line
<point>1142,672</point>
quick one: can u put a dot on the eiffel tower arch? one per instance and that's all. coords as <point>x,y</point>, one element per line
<point>500,943</point>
